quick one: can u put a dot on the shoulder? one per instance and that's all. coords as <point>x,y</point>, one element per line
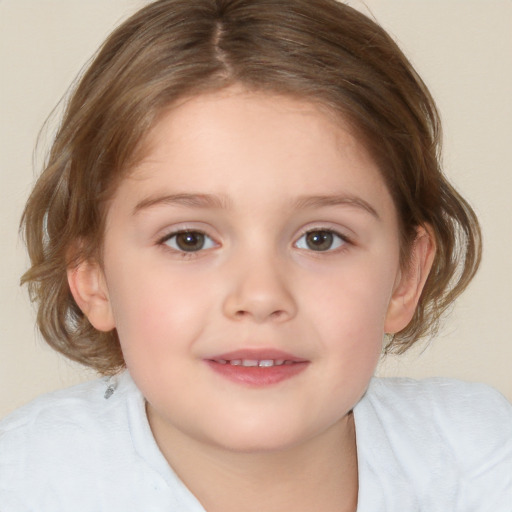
<point>54,423</point>
<point>450,394</point>
<point>443,434</point>
<point>471,419</point>
<point>57,412</point>
<point>86,449</point>
<point>74,412</point>
<point>444,404</point>
<point>51,402</point>
<point>59,435</point>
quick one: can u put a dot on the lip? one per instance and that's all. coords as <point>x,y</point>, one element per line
<point>257,367</point>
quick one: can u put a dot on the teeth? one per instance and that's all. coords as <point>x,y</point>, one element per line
<point>262,363</point>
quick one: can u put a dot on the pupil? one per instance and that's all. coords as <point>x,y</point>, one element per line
<point>319,240</point>
<point>190,241</point>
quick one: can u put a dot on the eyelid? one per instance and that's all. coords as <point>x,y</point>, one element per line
<point>323,228</point>
<point>168,230</point>
<point>163,240</point>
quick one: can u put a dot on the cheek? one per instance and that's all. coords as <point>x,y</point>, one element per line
<point>347,316</point>
<point>353,299</point>
<point>156,311</point>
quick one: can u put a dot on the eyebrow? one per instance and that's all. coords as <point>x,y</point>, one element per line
<point>335,200</point>
<point>222,202</point>
<point>187,200</point>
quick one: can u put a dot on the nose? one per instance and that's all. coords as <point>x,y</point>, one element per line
<point>259,290</point>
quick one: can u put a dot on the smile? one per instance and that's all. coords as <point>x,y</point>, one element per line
<point>257,368</point>
<point>262,363</point>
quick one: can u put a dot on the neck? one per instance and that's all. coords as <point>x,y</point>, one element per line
<point>319,474</point>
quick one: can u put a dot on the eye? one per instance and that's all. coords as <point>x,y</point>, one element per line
<point>320,240</point>
<point>188,241</point>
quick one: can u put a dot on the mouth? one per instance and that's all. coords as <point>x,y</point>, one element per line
<point>251,363</point>
<point>257,368</point>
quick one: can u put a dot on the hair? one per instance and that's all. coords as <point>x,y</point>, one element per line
<point>321,51</point>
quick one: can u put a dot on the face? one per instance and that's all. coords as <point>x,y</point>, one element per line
<point>250,267</point>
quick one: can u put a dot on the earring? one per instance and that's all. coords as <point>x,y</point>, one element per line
<point>111,387</point>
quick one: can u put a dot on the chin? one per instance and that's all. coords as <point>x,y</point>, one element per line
<point>258,438</point>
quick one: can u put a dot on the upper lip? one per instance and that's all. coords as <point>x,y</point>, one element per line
<point>263,354</point>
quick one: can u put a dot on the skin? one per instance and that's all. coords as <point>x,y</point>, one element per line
<point>266,165</point>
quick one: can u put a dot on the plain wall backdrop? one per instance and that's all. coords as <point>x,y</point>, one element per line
<point>461,48</point>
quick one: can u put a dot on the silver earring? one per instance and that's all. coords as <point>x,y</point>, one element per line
<point>111,387</point>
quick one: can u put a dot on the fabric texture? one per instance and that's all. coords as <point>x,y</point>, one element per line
<point>431,445</point>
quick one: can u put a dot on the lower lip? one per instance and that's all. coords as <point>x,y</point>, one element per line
<point>257,376</point>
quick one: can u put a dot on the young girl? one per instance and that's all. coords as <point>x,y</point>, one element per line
<point>242,208</point>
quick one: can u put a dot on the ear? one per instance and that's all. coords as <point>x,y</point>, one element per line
<point>89,289</point>
<point>411,281</point>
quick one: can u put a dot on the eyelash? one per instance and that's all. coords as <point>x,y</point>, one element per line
<point>337,239</point>
<point>164,241</point>
<point>342,240</point>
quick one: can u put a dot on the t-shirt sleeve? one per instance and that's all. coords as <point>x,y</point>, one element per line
<point>447,443</point>
<point>479,431</point>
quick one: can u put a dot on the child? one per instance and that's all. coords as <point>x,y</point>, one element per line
<point>242,202</point>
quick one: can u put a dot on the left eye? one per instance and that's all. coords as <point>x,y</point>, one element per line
<point>320,240</point>
<point>189,241</point>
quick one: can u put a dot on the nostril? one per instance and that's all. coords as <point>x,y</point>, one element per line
<point>274,314</point>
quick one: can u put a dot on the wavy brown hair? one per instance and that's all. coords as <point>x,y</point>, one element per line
<point>321,51</point>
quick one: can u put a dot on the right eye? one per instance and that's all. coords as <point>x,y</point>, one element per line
<point>188,241</point>
<point>321,240</point>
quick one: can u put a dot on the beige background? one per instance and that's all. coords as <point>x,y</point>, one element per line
<point>463,50</point>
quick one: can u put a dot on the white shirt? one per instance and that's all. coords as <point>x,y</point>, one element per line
<point>435,445</point>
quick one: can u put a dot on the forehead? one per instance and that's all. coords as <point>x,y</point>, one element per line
<point>239,143</point>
